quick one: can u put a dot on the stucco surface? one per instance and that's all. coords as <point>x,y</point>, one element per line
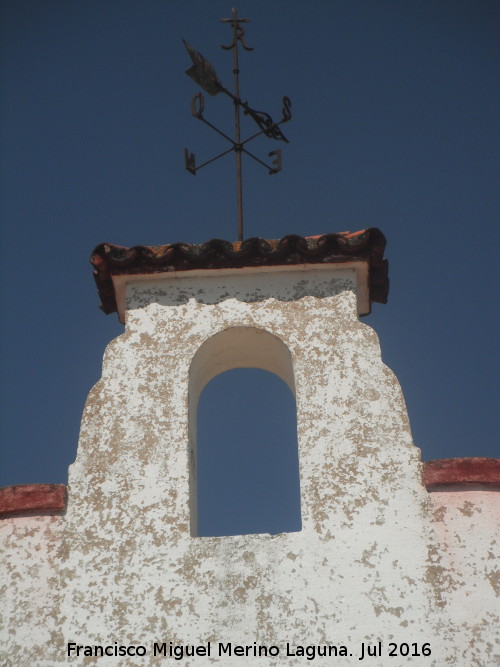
<point>466,560</point>
<point>378,558</point>
<point>28,581</point>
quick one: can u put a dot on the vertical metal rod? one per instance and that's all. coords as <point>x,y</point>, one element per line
<point>237,148</point>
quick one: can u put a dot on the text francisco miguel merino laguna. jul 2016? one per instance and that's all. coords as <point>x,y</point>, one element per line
<point>219,649</point>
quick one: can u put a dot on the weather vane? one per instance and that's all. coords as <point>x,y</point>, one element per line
<point>205,76</point>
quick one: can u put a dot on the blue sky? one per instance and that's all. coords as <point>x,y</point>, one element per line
<point>395,125</point>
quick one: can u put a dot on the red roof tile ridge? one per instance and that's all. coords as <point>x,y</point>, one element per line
<point>366,245</point>
<point>32,499</point>
<point>462,471</point>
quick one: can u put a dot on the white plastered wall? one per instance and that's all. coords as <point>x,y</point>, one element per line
<point>367,565</point>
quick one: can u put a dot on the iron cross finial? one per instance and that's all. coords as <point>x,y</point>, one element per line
<point>238,32</point>
<point>205,76</point>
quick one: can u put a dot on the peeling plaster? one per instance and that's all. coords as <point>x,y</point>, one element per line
<point>378,558</point>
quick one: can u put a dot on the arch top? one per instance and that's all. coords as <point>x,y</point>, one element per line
<point>240,347</point>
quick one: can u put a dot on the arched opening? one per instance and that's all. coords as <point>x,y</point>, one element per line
<point>247,458</point>
<point>243,443</point>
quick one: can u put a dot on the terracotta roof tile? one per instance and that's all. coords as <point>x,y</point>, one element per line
<point>32,499</point>
<point>364,246</point>
<point>461,471</point>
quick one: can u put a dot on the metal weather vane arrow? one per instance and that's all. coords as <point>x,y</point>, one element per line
<point>205,76</point>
